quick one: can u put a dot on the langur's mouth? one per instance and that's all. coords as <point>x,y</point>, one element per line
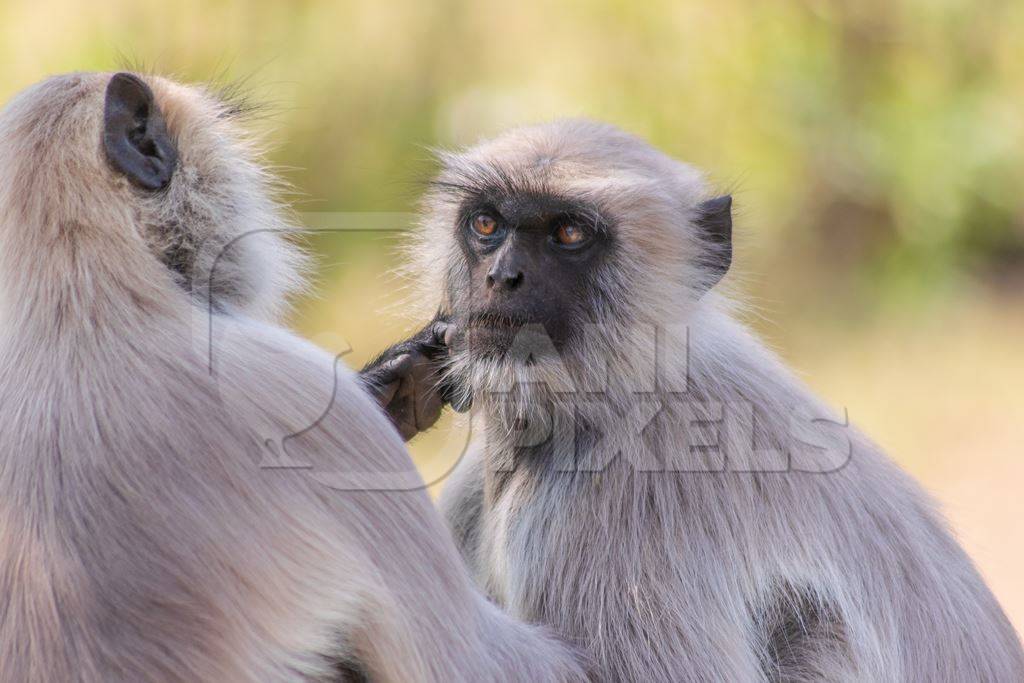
<point>496,321</point>
<point>496,335</point>
<point>491,331</point>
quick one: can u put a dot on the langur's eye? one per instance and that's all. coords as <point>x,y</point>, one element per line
<point>569,235</point>
<point>484,225</point>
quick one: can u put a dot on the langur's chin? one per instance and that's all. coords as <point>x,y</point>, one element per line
<point>490,341</point>
<point>502,347</point>
<point>508,378</point>
<point>515,342</point>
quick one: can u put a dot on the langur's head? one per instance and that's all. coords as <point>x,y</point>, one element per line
<point>575,228</point>
<point>151,181</point>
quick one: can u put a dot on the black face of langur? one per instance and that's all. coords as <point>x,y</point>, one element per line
<point>532,259</point>
<point>540,262</point>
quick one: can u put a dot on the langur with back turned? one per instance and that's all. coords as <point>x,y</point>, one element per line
<point>147,530</point>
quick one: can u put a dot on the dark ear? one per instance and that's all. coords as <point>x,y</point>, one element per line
<point>714,221</point>
<point>135,135</point>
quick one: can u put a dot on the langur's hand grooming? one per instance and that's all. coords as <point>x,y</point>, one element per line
<point>408,381</point>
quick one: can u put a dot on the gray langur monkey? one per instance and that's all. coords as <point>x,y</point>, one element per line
<point>645,476</point>
<point>147,531</point>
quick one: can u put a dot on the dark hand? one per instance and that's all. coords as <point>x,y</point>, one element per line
<point>406,379</point>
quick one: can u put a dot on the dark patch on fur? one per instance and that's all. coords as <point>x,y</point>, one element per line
<point>350,672</point>
<point>179,257</point>
<point>800,632</point>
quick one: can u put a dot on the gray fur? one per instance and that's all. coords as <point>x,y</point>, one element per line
<point>140,540</point>
<point>837,567</point>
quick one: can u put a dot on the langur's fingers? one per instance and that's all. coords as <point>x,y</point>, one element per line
<point>441,332</point>
<point>407,431</point>
<point>428,408</point>
<point>386,393</point>
<point>449,335</point>
<point>394,370</point>
<point>385,381</point>
<point>459,398</point>
<point>402,413</point>
<point>431,341</point>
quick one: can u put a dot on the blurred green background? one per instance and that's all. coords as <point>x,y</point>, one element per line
<point>875,150</point>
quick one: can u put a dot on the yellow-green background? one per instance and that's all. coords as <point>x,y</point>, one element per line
<point>875,149</point>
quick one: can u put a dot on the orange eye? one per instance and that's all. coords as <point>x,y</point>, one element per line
<point>570,235</point>
<point>485,225</point>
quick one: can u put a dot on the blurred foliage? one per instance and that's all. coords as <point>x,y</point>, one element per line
<point>876,148</point>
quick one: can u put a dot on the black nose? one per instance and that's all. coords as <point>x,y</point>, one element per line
<point>504,279</point>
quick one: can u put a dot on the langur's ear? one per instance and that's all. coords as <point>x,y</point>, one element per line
<point>714,222</point>
<point>135,135</point>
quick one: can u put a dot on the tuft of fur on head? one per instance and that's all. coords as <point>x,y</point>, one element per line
<point>214,234</point>
<point>659,268</point>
